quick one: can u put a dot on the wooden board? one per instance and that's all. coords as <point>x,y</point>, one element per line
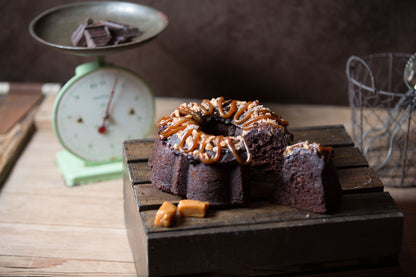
<point>17,110</point>
<point>15,106</point>
<point>264,238</point>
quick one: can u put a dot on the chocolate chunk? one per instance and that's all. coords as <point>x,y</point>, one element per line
<point>125,35</point>
<point>77,37</point>
<point>113,25</point>
<point>97,35</point>
<point>120,32</point>
<point>106,32</point>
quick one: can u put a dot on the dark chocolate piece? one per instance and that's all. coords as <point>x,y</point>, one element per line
<point>126,34</point>
<point>106,32</point>
<point>113,25</point>
<point>78,38</point>
<point>97,35</point>
<point>121,33</point>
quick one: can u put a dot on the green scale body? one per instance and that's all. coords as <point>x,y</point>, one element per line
<point>95,111</point>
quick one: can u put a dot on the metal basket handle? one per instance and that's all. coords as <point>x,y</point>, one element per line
<point>350,70</point>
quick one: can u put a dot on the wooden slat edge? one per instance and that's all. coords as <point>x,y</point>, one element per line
<point>137,150</point>
<point>359,180</point>
<point>335,135</point>
<point>139,172</point>
<point>135,229</point>
<point>148,197</point>
<point>303,128</point>
<point>345,157</point>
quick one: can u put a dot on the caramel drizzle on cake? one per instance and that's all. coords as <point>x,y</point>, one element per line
<point>186,120</point>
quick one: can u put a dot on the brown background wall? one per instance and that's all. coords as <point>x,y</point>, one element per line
<point>272,50</point>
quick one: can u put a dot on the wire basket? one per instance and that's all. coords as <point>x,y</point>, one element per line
<point>383,116</point>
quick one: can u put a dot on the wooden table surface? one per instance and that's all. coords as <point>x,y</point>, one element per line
<point>47,228</point>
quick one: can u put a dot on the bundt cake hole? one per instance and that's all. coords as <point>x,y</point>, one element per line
<point>219,128</point>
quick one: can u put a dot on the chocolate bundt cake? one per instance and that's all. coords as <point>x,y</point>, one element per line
<point>309,178</point>
<point>209,151</point>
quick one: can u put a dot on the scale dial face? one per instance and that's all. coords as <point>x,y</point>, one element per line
<point>96,112</point>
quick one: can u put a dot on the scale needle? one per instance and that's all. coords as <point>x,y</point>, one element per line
<point>102,129</point>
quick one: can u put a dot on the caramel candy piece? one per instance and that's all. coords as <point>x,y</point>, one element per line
<point>192,208</point>
<point>165,215</point>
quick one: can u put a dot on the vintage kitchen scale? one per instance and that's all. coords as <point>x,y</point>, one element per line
<point>103,104</point>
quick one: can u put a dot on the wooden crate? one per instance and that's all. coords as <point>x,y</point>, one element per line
<point>265,238</point>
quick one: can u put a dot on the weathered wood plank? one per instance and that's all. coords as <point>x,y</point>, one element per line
<point>66,242</point>
<point>41,172</point>
<point>265,212</point>
<point>349,157</point>
<point>30,209</point>
<point>149,197</point>
<point>334,135</point>
<point>15,107</point>
<point>16,128</point>
<point>50,266</point>
<point>359,179</point>
<point>13,146</point>
<point>139,172</point>
<point>134,226</point>
<point>277,246</point>
<point>273,245</point>
<point>138,150</point>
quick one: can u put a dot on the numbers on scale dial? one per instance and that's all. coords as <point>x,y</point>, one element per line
<point>81,114</point>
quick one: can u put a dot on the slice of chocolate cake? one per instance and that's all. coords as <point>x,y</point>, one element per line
<point>309,179</point>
